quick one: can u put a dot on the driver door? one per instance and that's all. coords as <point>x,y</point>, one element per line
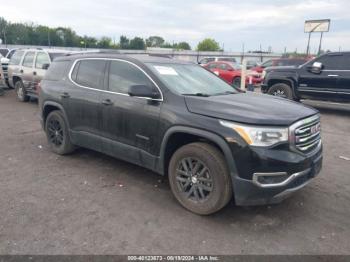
<point>322,84</point>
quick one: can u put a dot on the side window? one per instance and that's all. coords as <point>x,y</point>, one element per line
<point>212,66</point>
<point>122,75</point>
<point>9,55</point>
<point>16,58</point>
<point>28,59</point>
<point>223,67</point>
<point>332,62</point>
<point>90,73</point>
<point>204,61</point>
<point>41,59</point>
<point>267,64</point>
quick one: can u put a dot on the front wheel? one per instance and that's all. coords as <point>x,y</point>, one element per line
<point>281,90</point>
<point>199,178</point>
<point>21,92</point>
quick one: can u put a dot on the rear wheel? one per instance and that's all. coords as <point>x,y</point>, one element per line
<point>57,133</point>
<point>21,92</point>
<point>199,178</point>
<point>281,90</point>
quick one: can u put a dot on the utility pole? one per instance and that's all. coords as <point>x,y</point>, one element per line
<point>319,47</point>
<point>308,45</point>
<point>48,37</point>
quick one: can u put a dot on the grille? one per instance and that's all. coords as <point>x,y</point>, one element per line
<point>5,70</point>
<point>307,134</point>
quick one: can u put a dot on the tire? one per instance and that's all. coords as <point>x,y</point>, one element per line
<point>57,134</point>
<point>21,92</point>
<point>236,82</point>
<point>281,90</point>
<point>207,191</point>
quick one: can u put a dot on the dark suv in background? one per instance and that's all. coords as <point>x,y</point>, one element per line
<point>26,69</point>
<point>324,78</point>
<point>180,120</point>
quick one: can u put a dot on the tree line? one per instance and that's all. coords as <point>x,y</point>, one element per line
<point>32,34</point>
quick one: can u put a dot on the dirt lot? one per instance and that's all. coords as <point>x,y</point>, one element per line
<point>88,203</point>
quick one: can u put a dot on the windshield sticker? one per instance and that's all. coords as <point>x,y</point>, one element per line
<point>165,70</point>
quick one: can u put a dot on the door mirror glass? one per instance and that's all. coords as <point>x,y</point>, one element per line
<point>143,91</point>
<point>316,67</point>
<point>45,66</point>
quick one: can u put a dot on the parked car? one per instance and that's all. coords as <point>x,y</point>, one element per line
<point>280,62</point>
<point>26,69</point>
<point>231,73</point>
<point>7,54</point>
<point>207,60</point>
<point>179,120</point>
<point>324,78</point>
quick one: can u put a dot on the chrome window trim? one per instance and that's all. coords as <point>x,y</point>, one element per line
<point>111,92</point>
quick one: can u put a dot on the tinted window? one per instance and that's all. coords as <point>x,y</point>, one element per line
<point>16,58</point>
<point>212,66</point>
<point>11,54</point>
<point>90,73</point>
<point>28,59</point>
<point>57,70</point>
<point>223,67</point>
<point>333,62</point>
<point>122,75</point>
<point>41,59</point>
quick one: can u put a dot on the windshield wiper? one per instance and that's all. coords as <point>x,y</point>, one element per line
<point>225,93</point>
<point>197,94</point>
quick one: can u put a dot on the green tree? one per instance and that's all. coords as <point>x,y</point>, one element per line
<point>208,44</point>
<point>182,46</point>
<point>154,41</point>
<point>137,43</point>
<point>104,42</point>
<point>124,42</point>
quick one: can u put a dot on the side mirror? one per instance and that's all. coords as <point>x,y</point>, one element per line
<point>45,66</point>
<point>316,67</point>
<point>143,91</point>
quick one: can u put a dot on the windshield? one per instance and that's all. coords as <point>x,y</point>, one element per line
<point>188,79</point>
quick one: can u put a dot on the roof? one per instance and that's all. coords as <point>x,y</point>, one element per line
<point>144,58</point>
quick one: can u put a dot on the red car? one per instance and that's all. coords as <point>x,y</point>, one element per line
<point>280,62</point>
<point>231,73</point>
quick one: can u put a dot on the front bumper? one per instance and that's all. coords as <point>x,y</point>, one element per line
<point>293,174</point>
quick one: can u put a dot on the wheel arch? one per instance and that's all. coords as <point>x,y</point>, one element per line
<point>188,135</point>
<point>289,82</point>
<point>50,106</point>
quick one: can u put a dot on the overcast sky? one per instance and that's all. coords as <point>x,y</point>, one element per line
<point>274,23</point>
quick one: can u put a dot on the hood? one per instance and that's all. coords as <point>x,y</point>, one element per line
<point>250,108</point>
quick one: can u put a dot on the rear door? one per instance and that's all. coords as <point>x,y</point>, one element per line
<point>224,72</point>
<point>321,85</point>
<point>130,123</point>
<point>81,99</point>
<point>27,71</point>
<point>343,75</point>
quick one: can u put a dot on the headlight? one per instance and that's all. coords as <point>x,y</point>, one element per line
<point>263,74</point>
<point>259,136</point>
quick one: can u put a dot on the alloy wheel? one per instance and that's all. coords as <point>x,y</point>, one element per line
<point>55,132</point>
<point>280,93</point>
<point>193,179</point>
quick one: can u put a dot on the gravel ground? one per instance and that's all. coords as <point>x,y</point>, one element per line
<point>89,203</point>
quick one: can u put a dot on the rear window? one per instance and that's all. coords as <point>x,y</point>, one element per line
<point>16,58</point>
<point>57,70</point>
<point>89,73</point>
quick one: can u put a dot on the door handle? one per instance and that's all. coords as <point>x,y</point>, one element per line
<point>333,75</point>
<point>34,73</point>
<point>65,95</point>
<point>107,102</point>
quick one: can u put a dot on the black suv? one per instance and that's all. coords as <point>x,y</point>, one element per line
<point>324,78</point>
<point>180,120</point>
